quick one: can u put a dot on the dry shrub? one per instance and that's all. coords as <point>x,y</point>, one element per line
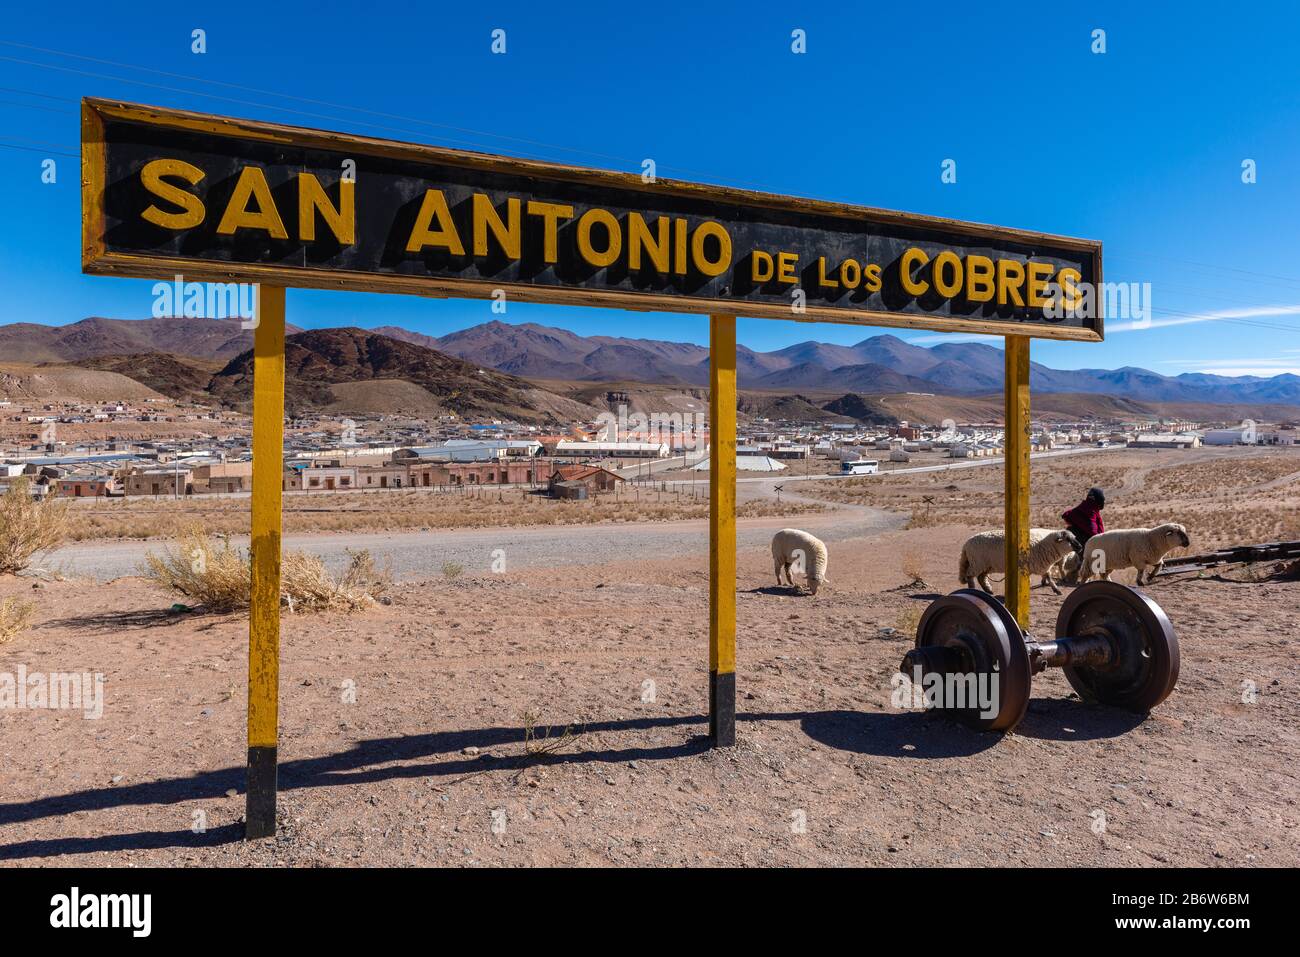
<point>914,570</point>
<point>535,746</point>
<point>909,620</point>
<point>216,575</point>
<point>28,526</point>
<point>305,583</point>
<point>15,614</point>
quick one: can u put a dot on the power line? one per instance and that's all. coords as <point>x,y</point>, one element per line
<point>47,96</point>
<point>1289,280</point>
<point>37,106</point>
<point>306,99</point>
<point>57,146</point>
<point>1242,320</point>
<point>33,149</point>
<point>212,96</point>
<point>332,105</point>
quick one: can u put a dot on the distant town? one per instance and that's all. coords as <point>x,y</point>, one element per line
<point>81,450</point>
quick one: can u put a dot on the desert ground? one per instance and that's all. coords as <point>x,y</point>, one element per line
<point>555,713</point>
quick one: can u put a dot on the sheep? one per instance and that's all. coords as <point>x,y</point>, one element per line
<point>1141,548</point>
<point>796,550</point>
<point>986,552</point>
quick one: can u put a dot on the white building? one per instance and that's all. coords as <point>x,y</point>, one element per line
<point>1233,436</point>
<point>613,450</point>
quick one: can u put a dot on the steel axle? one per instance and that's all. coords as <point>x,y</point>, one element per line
<point>1115,645</point>
<point>1095,651</point>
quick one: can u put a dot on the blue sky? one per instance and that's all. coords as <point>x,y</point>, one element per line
<point>1140,147</point>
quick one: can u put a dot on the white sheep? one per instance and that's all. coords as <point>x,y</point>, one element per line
<point>794,550</point>
<point>1141,548</point>
<point>986,552</point>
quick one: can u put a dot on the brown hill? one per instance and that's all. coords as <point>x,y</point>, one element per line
<point>788,408</point>
<point>183,379</point>
<point>20,381</point>
<point>319,361</point>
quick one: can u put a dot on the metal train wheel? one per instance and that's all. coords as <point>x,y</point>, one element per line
<point>968,646</point>
<point>1143,669</point>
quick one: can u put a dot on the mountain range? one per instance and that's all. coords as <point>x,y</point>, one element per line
<point>190,358</point>
<point>879,364</point>
<point>196,338</point>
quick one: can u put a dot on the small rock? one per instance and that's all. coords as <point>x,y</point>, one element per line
<point>471,750</point>
<point>117,777</point>
<point>232,793</point>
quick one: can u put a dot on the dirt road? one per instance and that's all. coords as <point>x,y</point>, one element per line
<point>422,554</point>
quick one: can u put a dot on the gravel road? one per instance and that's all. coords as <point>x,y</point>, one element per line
<point>421,554</point>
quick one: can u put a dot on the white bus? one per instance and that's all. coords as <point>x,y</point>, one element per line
<point>860,467</point>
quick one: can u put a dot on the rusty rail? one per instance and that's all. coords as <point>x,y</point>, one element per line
<point>1236,555</point>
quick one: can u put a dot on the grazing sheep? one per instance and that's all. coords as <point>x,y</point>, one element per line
<point>792,548</point>
<point>1141,548</point>
<point>986,552</point>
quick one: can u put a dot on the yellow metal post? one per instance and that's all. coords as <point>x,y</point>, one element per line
<point>722,530</point>
<point>1016,468</point>
<point>264,598</point>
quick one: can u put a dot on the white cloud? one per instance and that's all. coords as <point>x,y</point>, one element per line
<point>1265,366</point>
<point>935,340</point>
<point>1222,314</point>
<point>1132,325</point>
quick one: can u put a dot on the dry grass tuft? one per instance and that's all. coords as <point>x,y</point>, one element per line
<point>216,575</point>
<point>15,615</point>
<point>28,527</point>
<point>547,743</point>
<point>305,583</point>
<point>909,619</point>
<point>914,570</point>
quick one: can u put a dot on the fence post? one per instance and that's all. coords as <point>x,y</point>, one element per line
<point>722,531</point>
<point>264,595</point>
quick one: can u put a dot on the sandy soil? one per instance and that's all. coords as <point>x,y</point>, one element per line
<point>406,729</point>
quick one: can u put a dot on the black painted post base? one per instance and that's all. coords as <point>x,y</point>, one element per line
<point>722,709</point>
<point>259,814</point>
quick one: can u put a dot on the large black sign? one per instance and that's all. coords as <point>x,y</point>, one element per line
<point>216,199</point>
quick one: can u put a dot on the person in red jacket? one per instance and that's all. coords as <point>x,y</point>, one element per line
<point>1084,520</point>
